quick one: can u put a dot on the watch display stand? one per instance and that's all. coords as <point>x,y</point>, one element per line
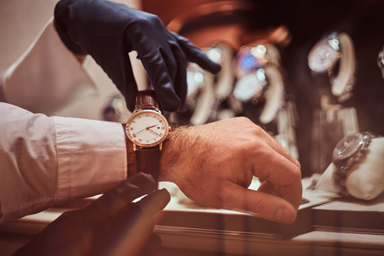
<point>330,124</point>
<point>365,178</point>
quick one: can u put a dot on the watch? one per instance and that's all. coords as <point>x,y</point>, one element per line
<point>380,61</point>
<point>259,76</point>
<point>147,128</point>
<point>347,152</point>
<point>335,48</point>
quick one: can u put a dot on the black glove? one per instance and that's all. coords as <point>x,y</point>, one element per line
<point>111,225</point>
<point>108,31</point>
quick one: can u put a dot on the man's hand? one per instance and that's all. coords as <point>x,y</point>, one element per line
<point>214,164</point>
<point>111,225</point>
<point>109,31</point>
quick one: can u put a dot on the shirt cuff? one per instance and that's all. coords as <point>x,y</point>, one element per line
<point>91,157</point>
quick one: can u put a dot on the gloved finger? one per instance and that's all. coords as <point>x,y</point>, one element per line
<point>167,52</point>
<point>119,197</point>
<point>196,55</point>
<point>160,78</point>
<point>154,202</point>
<point>129,86</point>
<point>152,246</point>
<point>122,234</point>
<point>117,65</point>
<point>133,227</point>
<point>180,83</point>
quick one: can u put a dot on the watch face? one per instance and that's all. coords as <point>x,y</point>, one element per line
<point>195,79</point>
<point>215,54</point>
<point>250,85</point>
<point>147,128</point>
<point>348,146</point>
<point>322,57</point>
<point>249,59</point>
<point>380,60</point>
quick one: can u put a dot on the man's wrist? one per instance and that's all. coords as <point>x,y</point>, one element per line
<point>172,155</point>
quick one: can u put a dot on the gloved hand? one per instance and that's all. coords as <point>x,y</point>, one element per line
<point>111,225</point>
<point>108,31</point>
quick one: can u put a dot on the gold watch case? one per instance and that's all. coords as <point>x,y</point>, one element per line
<point>147,128</point>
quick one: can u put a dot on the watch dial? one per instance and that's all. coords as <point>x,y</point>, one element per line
<point>250,85</point>
<point>195,79</point>
<point>215,54</point>
<point>249,59</point>
<point>147,128</point>
<point>322,57</point>
<point>380,59</point>
<point>347,147</point>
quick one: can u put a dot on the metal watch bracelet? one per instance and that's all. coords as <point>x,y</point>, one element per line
<point>342,168</point>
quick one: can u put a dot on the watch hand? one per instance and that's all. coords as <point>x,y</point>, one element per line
<point>153,132</point>
<point>141,131</point>
<point>150,126</point>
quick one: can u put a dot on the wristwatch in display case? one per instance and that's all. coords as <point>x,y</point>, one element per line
<point>206,92</point>
<point>258,71</point>
<point>380,61</point>
<point>335,48</point>
<point>147,128</point>
<point>348,151</point>
<point>249,63</point>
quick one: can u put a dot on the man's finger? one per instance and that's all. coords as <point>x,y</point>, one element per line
<point>275,145</point>
<point>257,203</point>
<point>282,173</point>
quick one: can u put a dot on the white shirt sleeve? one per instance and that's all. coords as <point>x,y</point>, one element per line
<point>47,160</point>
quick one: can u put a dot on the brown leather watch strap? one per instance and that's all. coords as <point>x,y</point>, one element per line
<point>146,100</point>
<point>2,97</point>
<point>148,161</point>
<point>131,156</point>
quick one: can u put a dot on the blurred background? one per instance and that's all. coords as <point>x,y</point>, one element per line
<point>263,47</point>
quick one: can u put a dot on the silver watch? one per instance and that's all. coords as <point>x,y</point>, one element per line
<point>347,152</point>
<point>324,55</point>
<point>336,49</point>
<point>380,61</point>
<point>250,62</point>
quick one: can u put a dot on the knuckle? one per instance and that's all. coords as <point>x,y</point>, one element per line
<point>243,119</point>
<point>297,172</point>
<point>228,202</point>
<point>258,207</point>
<point>148,20</point>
